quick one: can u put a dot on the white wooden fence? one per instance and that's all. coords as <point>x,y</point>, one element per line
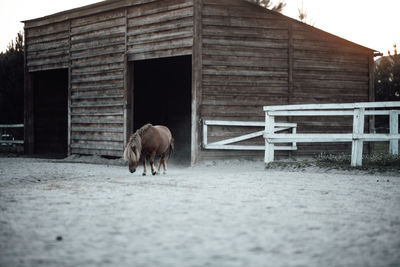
<point>7,139</point>
<point>357,110</point>
<point>229,143</point>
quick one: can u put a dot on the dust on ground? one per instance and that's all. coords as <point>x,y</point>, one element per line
<point>236,213</point>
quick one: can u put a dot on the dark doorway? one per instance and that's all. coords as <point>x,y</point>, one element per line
<point>50,105</point>
<point>163,95</point>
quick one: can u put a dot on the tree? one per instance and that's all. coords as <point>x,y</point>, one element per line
<point>303,15</point>
<point>12,82</point>
<point>268,4</point>
<point>387,77</point>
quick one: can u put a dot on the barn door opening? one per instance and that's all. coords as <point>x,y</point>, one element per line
<point>162,95</point>
<point>50,113</point>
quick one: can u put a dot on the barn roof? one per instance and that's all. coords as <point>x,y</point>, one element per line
<point>99,7</point>
<point>108,5</point>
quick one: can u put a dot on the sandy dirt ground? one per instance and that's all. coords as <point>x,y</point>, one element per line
<point>55,213</point>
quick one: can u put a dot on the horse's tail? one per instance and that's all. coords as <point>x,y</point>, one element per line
<point>171,148</point>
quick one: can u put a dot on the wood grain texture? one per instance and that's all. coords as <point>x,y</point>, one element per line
<point>243,57</point>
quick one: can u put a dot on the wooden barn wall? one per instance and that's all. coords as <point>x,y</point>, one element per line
<point>160,29</point>
<point>252,58</point>
<point>47,47</point>
<point>326,69</point>
<point>96,48</point>
<point>246,58</point>
<point>97,83</point>
<point>155,29</point>
<point>245,66</point>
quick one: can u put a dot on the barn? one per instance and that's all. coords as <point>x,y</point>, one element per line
<point>95,74</point>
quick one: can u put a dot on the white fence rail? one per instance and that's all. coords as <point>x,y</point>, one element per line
<point>228,144</point>
<point>6,138</point>
<point>357,110</point>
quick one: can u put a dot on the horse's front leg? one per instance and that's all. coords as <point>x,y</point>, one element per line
<point>144,165</point>
<point>152,156</point>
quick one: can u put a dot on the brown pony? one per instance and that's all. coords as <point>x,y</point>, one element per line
<point>149,141</point>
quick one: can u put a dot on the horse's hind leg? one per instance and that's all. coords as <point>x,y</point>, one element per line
<point>153,155</point>
<point>165,166</point>
<point>144,165</point>
<point>162,159</point>
<point>162,162</point>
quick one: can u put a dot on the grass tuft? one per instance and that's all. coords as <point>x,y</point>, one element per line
<point>380,161</point>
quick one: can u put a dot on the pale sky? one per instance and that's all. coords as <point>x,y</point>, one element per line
<point>371,23</point>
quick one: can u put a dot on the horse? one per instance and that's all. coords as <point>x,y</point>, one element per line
<point>150,141</point>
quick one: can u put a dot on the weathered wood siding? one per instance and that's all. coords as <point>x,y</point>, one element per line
<point>47,47</point>
<point>160,29</point>
<point>252,57</point>
<point>243,58</point>
<point>326,69</point>
<point>245,66</point>
<point>95,44</point>
<point>97,83</point>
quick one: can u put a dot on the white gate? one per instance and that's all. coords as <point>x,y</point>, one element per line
<point>228,144</point>
<point>357,110</point>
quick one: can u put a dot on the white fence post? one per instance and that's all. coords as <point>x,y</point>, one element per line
<point>269,146</point>
<point>294,131</point>
<point>205,130</point>
<point>394,129</point>
<point>357,142</point>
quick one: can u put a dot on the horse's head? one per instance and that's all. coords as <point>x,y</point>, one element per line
<point>132,154</point>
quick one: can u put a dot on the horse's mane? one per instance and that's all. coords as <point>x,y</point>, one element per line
<point>141,130</point>
<point>135,140</point>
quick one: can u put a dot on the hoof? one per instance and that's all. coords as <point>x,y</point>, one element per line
<point>144,174</point>
<point>154,173</point>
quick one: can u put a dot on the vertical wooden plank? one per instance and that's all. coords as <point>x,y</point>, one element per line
<point>69,113</point>
<point>290,72</point>
<point>394,129</point>
<point>196,78</point>
<point>371,85</point>
<point>127,105</point>
<point>131,97</point>
<point>28,103</point>
<point>290,63</point>
<point>371,98</point>
<point>269,147</point>
<point>357,144</point>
